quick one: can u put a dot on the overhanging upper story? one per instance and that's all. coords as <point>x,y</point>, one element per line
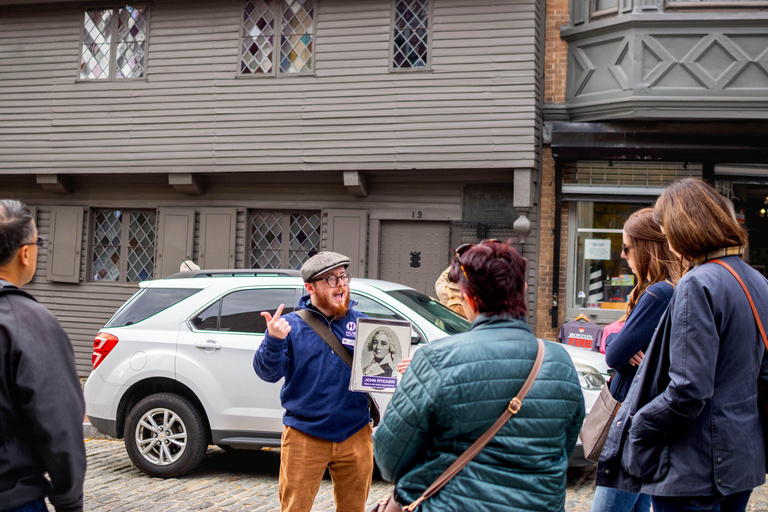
<point>667,59</point>
<point>201,87</point>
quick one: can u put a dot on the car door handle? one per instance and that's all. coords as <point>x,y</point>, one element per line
<point>208,345</point>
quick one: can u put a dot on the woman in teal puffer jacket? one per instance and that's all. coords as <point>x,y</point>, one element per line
<point>457,387</point>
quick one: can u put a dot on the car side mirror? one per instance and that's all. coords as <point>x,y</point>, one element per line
<point>415,337</point>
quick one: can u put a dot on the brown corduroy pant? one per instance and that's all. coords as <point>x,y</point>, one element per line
<point>303,459</point>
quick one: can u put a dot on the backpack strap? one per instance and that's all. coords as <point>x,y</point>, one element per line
<point>7,288</point>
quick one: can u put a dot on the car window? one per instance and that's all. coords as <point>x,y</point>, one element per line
<point>208,320</point>
<point>372,308</point>
<point>240,311</point>
<point>148,302</point>
<point>434,312</point>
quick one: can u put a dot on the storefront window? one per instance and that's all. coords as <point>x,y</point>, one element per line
<point>603,279</point>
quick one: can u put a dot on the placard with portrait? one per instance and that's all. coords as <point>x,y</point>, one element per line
<point>380,346</point>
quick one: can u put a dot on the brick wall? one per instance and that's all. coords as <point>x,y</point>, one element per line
<point>556,52</point>
<point>544,327</point>
<point>555,67</point>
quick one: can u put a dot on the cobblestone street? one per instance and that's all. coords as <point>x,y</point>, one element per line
<point>244,481</point>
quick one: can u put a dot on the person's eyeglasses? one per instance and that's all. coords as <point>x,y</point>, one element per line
<point>39,242</point>
<point>464,247</point>
<point>626,249</point>
<point>333,281</point>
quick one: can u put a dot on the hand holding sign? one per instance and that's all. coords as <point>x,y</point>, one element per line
<point>277,327</point>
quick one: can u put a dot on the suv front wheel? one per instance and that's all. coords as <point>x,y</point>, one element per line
<point>165,436</point>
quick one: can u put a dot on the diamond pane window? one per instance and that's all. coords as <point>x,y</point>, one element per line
<point>123,246</point>
<point>114,43</point>
<point>141,247</point>
<point>258,37</point>
<point>266,240</point>
<point>272,25</point>
<point>107,230</point>
<point>270,249</point>
<point>410,34</point>
<point>305,238</point>
<point>298,32</point>
<point>97,39</point>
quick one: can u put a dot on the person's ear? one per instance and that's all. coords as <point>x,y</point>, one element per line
<point>25,255</point>
<point>310,289</point>
<point>469,301</point>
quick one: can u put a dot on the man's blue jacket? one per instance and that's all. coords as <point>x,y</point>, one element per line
<point>316,394</point>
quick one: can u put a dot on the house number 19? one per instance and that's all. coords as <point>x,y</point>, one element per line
<point>416,215</point>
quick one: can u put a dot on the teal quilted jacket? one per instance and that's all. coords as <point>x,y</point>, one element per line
<point>452,393</point>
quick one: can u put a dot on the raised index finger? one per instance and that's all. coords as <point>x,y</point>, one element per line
<point>278,312</point>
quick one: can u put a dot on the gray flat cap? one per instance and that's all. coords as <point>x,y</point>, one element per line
<point>322,262</point>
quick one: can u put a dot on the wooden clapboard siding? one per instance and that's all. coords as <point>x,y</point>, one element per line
<point>476,107</point>
<point>82,309</point>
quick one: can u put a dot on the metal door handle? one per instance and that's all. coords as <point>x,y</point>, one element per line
<point>208,345</point>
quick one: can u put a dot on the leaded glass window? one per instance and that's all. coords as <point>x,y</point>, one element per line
<point>272,25</point>
<point>114,43</point>
<point>123,247</point>
<point>283,239</point>
<point>410,34</point>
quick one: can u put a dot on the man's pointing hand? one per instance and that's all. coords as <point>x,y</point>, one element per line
<point>277,327</point>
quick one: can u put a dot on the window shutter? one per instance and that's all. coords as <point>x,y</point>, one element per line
<point>175,239</point>
<point>65,244</point>
<point>217,237</point>
<point>348,235</point>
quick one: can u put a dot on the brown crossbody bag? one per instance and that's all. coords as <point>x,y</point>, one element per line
<point>390,504</point>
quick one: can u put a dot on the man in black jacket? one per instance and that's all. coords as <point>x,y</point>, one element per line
<point>41,402</point>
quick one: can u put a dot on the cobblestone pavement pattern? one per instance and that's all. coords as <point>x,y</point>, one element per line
<point>246,481</point>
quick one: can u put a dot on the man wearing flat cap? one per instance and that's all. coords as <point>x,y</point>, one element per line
<point>326,424</point>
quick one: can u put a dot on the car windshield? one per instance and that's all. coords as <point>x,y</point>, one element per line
<point>434,312</point>
<point>147,302</point>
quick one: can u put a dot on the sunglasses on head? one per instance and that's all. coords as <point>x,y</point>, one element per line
<point>464,247</point>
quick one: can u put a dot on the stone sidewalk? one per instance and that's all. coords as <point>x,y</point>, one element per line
<point>245,481</point>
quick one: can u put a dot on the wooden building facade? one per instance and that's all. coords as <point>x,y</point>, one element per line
<point>246,134</point>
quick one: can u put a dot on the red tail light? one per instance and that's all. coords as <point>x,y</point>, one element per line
<point>102,346</point>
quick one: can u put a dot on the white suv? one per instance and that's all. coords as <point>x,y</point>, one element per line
<point>173,368</point>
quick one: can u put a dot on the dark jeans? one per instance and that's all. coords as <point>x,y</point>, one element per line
<point>733,503</point>
<point>32,506</point>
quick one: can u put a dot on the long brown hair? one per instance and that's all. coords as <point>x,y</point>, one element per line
<point>654,262</point>
<point>696,219</point>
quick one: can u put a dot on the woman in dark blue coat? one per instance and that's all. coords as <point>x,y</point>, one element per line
<point>689,433</point>
<point>657,269</point>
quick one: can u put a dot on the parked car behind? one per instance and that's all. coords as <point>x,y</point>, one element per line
<point>173,373</point>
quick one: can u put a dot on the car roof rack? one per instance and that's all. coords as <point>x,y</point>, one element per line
<point>238,272</point>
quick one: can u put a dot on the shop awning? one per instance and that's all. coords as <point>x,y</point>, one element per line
<point>706,142</point>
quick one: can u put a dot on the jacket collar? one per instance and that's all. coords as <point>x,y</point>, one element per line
<point>483,321</point>
<point>719,253</point>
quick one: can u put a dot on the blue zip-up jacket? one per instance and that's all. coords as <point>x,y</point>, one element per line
<point>635,336</point>
<point>453,391</point>
<point>316,394</point>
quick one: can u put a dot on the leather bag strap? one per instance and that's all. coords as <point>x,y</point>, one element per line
<point>469,454</point>
<point>325,332</point>
<point>749,298</point>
